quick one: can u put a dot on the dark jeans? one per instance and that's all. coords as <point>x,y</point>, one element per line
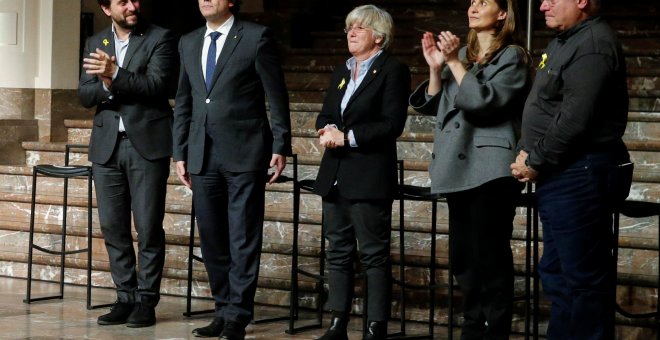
<point>481,222</point>
<point>577,268</point>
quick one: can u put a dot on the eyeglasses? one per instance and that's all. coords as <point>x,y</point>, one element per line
<point>356,29</point>
<point>549,2</point>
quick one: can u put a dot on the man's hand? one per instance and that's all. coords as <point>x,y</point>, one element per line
<point>279,162</point>
<point>102,65</point>
<point>521,171</point>
<point>183,174</point>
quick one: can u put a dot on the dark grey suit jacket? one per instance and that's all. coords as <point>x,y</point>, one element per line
<point>477,123</point>
<point>233,112</point>
<point>139,94</point>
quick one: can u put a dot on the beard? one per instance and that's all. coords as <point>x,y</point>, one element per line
<point>124,23</point>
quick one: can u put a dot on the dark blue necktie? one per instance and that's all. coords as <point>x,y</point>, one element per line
<point>210,59</point>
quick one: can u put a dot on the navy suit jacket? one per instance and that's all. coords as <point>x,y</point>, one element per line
<point>233,111</point>
<point>376,112</point>
<point>139,94</point>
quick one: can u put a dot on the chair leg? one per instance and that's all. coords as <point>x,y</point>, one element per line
<point>28,295</point>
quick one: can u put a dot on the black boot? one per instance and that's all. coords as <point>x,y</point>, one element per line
<point>119,312</point>
<point>213,330</point>
<point>143,315</point>
<point>337,330</point>
<point>377,330</point>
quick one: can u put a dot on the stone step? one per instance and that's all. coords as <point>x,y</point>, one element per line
<point>17,185</point>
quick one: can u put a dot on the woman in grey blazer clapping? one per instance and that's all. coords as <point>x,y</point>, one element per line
<point>477,94</point>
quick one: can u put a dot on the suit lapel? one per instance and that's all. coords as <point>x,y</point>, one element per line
<point>136,39</point>
<point>233,37</point>
<point>107,43</point>
<point>372,73</point>
<point>341,86</point>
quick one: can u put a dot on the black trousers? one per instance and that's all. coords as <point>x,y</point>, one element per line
<point>364,227</point>
<point>481,223</point>
<point>230,214</point>
<point>128,182</point>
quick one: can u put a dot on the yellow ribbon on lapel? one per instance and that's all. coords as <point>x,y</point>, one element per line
<point>341,85</point>
<point>105,42</point>
<point>544,58</point>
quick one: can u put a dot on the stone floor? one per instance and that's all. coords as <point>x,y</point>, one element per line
<point>69,319</point>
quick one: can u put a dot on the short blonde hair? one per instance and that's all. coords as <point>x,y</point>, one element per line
<point>375,18</point>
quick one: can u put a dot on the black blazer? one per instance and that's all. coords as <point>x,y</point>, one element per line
<point>139,94</point>
<point>233,112</point>
<point>377,114</point>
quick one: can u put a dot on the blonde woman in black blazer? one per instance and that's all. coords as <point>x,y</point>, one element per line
<point>477,94</point>
<point>363,114</point>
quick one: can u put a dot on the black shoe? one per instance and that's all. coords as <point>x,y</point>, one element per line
<point>233,331</point>
<point>142,316</point>
<point>212,330</point>
<point>337,330</point>
<point>377,330</point>
<point>119,312</point>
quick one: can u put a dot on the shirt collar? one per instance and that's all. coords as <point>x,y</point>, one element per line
<point>350,63</point>
<point>223,29</point>
<point>114,33</point>
<point>564,35</point>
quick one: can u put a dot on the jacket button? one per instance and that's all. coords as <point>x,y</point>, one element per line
<point>432,155</point>
<point>457,125</point>
<point>461,156</point>
<point>208,100</point>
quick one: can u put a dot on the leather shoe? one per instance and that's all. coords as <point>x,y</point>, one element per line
<point>141,316</point>
<point>337,330</point>
<point>119,312</point>
<point>212,330</point>
<point>233,331</point>
<point>377,330</point>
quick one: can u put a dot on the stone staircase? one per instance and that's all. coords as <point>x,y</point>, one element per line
<point>307,72</point>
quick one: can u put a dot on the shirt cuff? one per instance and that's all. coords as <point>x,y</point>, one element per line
<point>351,139</point>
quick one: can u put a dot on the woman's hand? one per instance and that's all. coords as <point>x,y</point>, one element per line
<point>449,45</point>
<point>432,52</point>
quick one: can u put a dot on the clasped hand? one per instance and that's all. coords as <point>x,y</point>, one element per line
<point>521,171</point>
<point>331,137</point>
<point>102,65</point>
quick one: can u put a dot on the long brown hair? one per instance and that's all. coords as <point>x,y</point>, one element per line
<point>506,33</point>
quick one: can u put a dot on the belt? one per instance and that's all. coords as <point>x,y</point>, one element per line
<point>122,135</point>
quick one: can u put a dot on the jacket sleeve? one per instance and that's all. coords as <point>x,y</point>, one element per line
<point>269,69</point>
<point>182,111</point>
<point>492,98</point>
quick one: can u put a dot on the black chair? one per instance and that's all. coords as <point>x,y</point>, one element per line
<point>192,257</point>
<point>417,193</point>
<point>320,277</point>
<point>639,209</point>
<point>65,172</point>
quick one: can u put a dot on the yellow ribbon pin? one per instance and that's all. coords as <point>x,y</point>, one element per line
<point>105,42</point>
<point>544,58</point>
<point>341,85</point>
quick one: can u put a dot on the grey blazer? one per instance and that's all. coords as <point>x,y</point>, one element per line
<point>478,122</point>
